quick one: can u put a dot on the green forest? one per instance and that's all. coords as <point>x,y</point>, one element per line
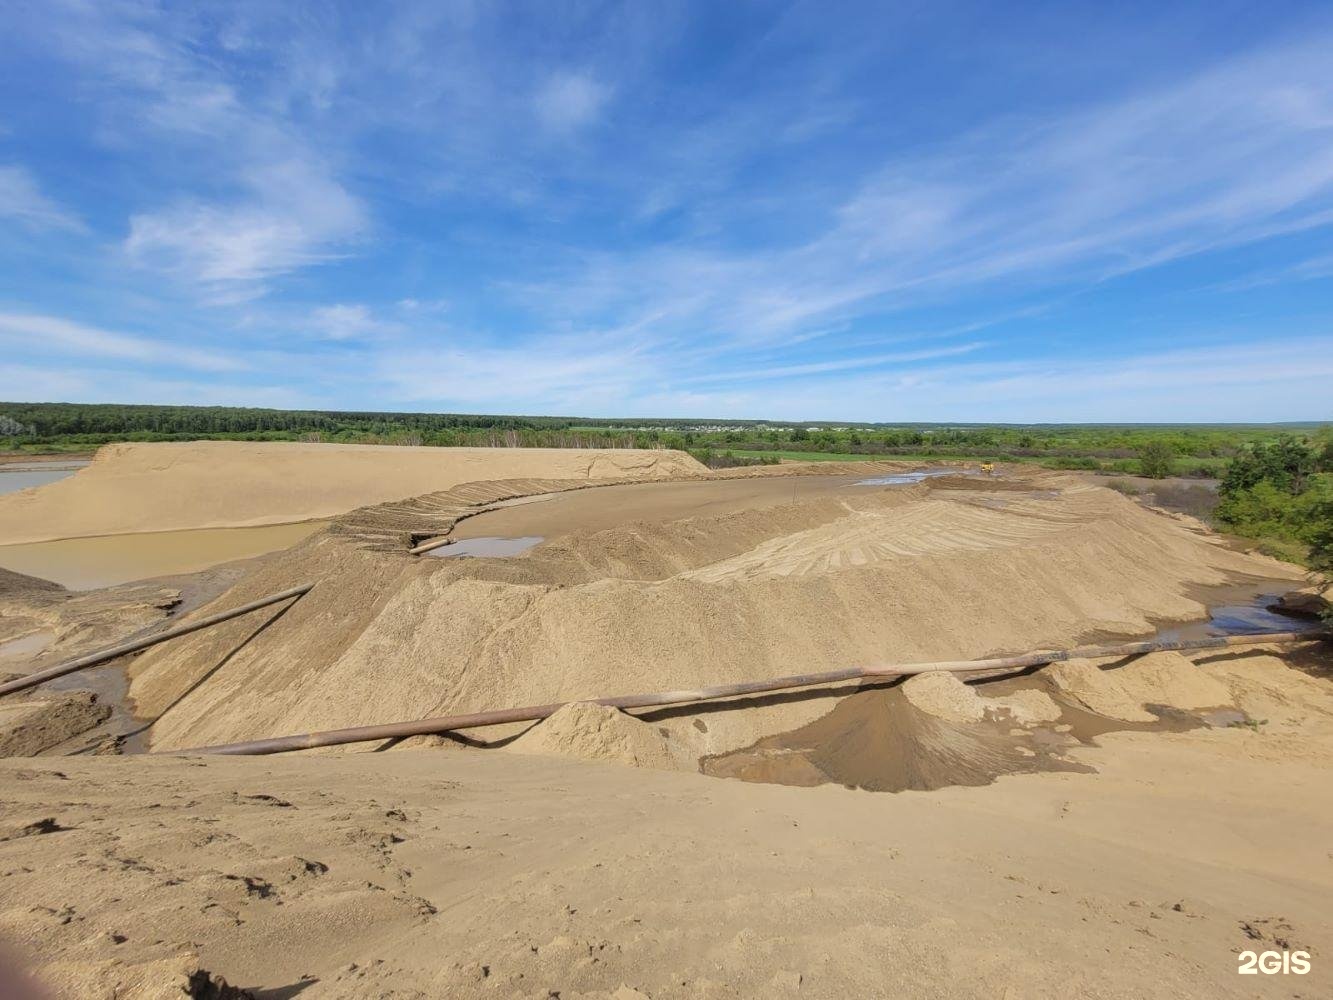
<point>1188,450</point>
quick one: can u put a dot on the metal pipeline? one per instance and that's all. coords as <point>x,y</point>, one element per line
<point>102,656</point>
<point>531,713</point>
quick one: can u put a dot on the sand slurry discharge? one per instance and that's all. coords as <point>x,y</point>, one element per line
<point>1132,826</point>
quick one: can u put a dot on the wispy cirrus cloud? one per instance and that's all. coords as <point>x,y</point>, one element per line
<point>1228,382</point>
<point>274,203</point>
<point>22,201</point>
<point>55,336</point>
<point>1083,196</point>
<point>293,216</point>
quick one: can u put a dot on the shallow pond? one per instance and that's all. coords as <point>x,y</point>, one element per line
<point>909,478</point>
<point>25,475</point>
<point>486,546</point>
<point>106,560</point>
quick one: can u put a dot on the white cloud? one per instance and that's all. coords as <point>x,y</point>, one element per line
<point>1233,155</point>
<point>345,322</point>
<point>63,338</point>
<point>1221,382</point>
<point>21,199</point>
<point>553,374</point>
<point>862,362</point>
<point>567,102</point>
<point>295,215</point>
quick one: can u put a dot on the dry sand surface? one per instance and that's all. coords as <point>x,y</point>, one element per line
<point>465,873</point>
<point>228,484</point>
<point>1090,829</point>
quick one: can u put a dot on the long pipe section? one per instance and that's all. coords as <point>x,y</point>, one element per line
<point>103,655</point>
<point>476,720</point>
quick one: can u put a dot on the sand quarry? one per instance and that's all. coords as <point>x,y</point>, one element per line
<point>1111,828</point>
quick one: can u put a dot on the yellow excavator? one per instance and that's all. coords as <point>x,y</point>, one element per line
<point>988,468</point>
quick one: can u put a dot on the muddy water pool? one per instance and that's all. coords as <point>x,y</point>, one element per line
<point>103,561</point>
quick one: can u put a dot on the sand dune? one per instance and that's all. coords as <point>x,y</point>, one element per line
<point>230,484</point>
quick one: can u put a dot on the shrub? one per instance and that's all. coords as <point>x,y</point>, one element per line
<point>1321,535</point>
<point>1267,511</point>
<point>1285,463</point>
<point>1156,459</point>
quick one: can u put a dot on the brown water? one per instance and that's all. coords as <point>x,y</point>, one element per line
<point>87,563</point>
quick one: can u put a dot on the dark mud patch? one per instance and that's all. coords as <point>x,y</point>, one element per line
<point>878,741</point>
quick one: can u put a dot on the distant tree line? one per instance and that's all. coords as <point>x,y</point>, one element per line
<point>1154,450</point>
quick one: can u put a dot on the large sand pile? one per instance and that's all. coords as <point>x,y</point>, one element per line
<point>228,484</point>
<point>862,576</point>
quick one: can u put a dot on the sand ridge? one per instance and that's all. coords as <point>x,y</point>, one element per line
<point>228,484</point>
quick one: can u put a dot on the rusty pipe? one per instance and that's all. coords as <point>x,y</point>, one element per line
<point>532,713</point>
<point>112,652</point>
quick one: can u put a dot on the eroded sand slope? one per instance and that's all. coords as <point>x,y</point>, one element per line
<point>228,484</point>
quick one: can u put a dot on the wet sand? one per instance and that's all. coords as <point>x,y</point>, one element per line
<point>557,514</point>
<point>87,563</point>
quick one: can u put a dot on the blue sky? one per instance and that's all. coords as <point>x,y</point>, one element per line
<point>912,211</point>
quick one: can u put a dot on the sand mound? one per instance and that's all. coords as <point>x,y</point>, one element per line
<point>228,484</point>
<point>1266,688</point>
<point>891,740</point>
<point>1167,679</point>
<point>1084,682</point>
<point>944,696</point>
<point>596,732</point>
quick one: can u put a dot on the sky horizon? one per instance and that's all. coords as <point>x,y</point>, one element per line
<point>947,213</point>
